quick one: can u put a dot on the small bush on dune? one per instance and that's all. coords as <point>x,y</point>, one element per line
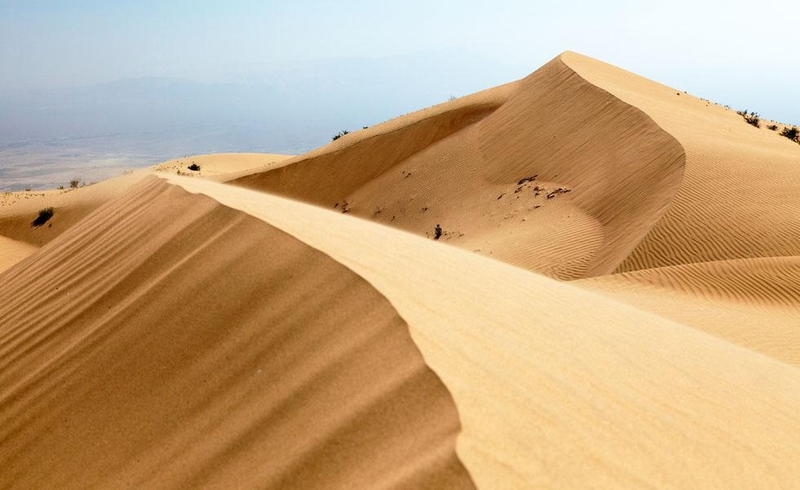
<point>793,134</point>
<point>772,127</point>
<point>752,119</point>
<point>194,167</point>
<point>437,232</point>
<point>44,216</point>
<point>339,135</point>
<point>73,184</point>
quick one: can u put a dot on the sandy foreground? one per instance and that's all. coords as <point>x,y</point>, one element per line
<point>613,302</point>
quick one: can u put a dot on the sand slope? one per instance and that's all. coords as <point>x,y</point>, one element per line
<point>167,341</point>
<point>752,302</point>
<point>557,387</point>
<point>723,258</point>
<point>605,172</point>
<point>12,251</point>
<point>738,196</point>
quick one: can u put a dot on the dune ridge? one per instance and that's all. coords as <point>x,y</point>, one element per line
<point>168,341</point>
<point>18,209</point>
<point>605,172</point>
<point>607,395</point>
<point>737,199</point>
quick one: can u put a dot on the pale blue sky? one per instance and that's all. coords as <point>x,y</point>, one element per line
<point>743,53</point>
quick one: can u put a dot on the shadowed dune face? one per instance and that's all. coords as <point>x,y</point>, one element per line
<point>558,387</point>
<point>622,168</point>
<point>330,177</point>
<point>738,197</point>
<point>605,174</point>
<point>169,341</point>
<point>724,256</point>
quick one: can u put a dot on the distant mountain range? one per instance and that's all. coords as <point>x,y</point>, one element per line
<point>330,94</point>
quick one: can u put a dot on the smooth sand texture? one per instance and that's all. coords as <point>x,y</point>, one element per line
<point>185,332</point>
<point>752,302</point>
<point>12,251</point>
<point>556,387</point>
<point>168,341</point>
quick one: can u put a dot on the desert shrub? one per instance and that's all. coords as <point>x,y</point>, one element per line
<point>752,119</point>
<point>44,216</point>
<point>772,127</point>
<point>437,232</point>
<point>339,134</point>
<point>793,134</point>
<point>73,184</point>
<point>194,167</point>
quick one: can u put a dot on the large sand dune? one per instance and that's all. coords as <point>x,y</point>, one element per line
<point>291,323</point>
<point>169,341</point>
<point>620,171</point>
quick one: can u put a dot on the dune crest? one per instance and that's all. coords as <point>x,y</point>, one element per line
<point>738,196</point>
<point>549,173</point>
<point>168,341</point>
<point>18,209</point>
<point>556,386</point>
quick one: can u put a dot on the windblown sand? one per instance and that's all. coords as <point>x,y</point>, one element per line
<point>613,302</point>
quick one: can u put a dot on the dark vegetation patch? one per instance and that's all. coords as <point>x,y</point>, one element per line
<point>750,118</point>
<point>44,216</point>
<point>339,134</point>
<point>793,134</point>
<point>194,167</point>
<point>437,231</point>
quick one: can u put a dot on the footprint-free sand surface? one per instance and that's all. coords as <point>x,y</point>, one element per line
<point>611,299</point>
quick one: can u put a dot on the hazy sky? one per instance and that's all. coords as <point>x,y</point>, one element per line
<point>744,53</point>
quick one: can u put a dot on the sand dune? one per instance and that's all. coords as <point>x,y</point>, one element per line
<point>169,341</point>
<point>738,195</point>
<point>556,387</point>
<point>291,323</point>
<point>605,172</point>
